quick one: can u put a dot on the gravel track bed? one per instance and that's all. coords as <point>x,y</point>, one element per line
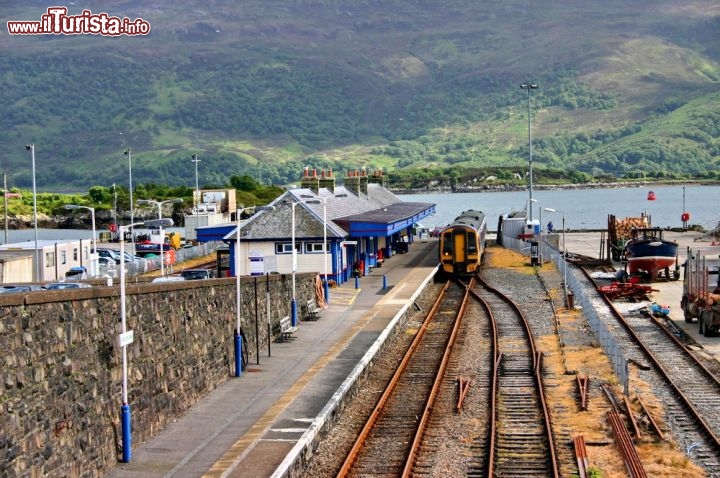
<point>568,346</point>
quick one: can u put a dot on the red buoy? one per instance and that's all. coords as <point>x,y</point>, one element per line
<point>685,217</point>
<point>651,196</point>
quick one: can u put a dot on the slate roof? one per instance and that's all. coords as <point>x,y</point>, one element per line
<point>343,205</point>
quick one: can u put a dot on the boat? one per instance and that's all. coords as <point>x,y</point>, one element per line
<point>646,253</point>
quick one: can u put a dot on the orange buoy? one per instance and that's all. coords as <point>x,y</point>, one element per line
<point>651,196</point>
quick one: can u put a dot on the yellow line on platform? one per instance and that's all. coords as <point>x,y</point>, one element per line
<point>234,456</point>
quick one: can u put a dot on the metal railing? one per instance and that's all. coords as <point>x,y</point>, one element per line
<point>588,301</point>
<point>152,262</point>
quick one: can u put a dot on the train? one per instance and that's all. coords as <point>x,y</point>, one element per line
<point>462,244</point>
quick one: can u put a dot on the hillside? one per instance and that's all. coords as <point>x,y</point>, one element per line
<point>267,87</point>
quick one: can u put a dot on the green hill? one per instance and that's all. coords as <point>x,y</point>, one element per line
<point>267,87</point>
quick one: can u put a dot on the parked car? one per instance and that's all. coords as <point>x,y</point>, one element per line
<point>107,262</point>
<point>168,279</point>
<point>10,288</point>
<point>109,254</point>
<point>77,273</point>
<point>198,274</point>
<point>68,285</point>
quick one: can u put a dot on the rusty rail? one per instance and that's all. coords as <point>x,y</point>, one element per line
<point>463,386</point>
<point>625,446</point>
<point>583,384</point>
<point>581,455</point>
<point>653,423</point>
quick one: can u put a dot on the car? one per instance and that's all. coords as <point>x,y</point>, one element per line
<point>168,279</point>
<point>10,288</point>
<point>67,285</point>
<point>76,273</point>
<point>107,262</point>
<point>109,254</point>
<point>198,274</point>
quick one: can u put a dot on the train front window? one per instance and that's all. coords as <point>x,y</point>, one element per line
<point>447,244</point>
<point>472,246</point>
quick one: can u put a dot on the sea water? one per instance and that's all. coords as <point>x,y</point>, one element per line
<point>583,208</point>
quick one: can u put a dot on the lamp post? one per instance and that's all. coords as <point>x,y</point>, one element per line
<point>326,286</point>
<point>196,195</point>
<point>238,303</point>
<point>565,287</point>
<point>196,160</point>
<point>150,202</point>
<point>93,258</point>
<point>126,339</point>
<point>31,148</point>
<point>293,302</point>
<point>128,153</point>
<point>548,209</point>
<point>530,86</point>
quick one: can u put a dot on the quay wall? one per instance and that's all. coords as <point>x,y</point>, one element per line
<point>62,368</point>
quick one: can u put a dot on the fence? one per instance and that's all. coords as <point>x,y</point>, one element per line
<point>152,262</point>
<point>584,297</point>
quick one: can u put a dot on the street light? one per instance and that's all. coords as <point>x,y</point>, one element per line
<point>293,302</point>
<point>567,302</point>
<point>128,153</point>
<point>196,197</point>
<point>238,304</point>
<point>548,209</point>
<point>150,202</point>
<point>326,286</point>
<point>93,258</point>
<point>125,339</point>
<point>530,86</point>
<point>31,148</point>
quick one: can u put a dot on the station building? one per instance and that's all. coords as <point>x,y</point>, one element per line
<point>365,223</point>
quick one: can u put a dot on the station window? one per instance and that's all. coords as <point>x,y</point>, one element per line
<point>75,254</point>
<point>286,247</point>
<point>313,247</point>
<point>49,259</point>
<point>63,257</point>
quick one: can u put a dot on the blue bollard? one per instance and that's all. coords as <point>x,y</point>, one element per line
<point>126,438</point>
<point>238,355</point>
<point>326,288</point>
<point>293,312</point>
<point>384,282</point>
<point>357,282</point>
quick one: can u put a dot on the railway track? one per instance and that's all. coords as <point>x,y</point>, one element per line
<point>519,440</point>
<point>692,391</point>
<point>391,438</point>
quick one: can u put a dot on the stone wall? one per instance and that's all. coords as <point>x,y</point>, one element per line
<point>61,374</point>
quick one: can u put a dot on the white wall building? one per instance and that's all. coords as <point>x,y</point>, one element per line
<point>56,258</point>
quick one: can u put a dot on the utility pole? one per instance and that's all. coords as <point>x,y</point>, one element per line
<point>5,191</point>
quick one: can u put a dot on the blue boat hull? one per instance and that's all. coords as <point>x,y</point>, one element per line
<point>650,256</point>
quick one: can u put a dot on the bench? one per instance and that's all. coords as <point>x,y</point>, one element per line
<point>310,311</point>
<point>286,330</point>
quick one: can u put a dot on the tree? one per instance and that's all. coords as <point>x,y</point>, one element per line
<point>244,183</point>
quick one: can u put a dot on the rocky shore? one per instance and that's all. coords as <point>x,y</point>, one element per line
<point>540,187</point>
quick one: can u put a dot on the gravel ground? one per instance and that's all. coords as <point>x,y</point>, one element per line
<point>568,347</point>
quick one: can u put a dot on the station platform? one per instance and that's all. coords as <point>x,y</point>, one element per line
<point>248,425</point>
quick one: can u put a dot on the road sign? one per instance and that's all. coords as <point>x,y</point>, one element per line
<point>126,338</point>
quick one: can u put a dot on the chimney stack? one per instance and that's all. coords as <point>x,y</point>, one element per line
<point>327,181</point>
<point>364,182</point>
<point>310,182</point>
<point>352,182</point>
